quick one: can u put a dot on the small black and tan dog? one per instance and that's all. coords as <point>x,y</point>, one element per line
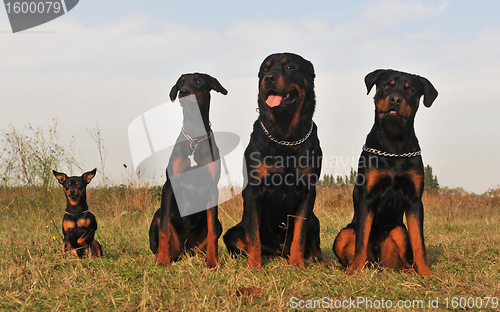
<point>170,235</point>
<point>283,164</point>
<point>390,181</point>
<point>79,224</point>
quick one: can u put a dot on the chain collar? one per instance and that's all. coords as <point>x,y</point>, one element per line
<point>193,143</point>
<point>287,143</point>
<point>377,152</point>
<point>77,214</point>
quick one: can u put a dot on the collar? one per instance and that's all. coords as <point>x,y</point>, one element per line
<point>77,214</point>
<point>380,153</point>
<point>193,143</point>
<point>287,143</point>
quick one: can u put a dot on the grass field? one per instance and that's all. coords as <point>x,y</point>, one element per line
<point>462,238</point>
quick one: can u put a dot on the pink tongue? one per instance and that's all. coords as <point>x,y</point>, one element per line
<point>273,100</point>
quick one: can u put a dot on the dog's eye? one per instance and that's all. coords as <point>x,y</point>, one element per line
<point>264,70</point>
<point>290,67</point>
<point>386,86</point>
<point>181,83</point>
<point>410,91</point>
<point>198,81</point>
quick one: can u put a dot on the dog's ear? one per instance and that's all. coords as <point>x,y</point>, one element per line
<point>430,93</point>
<point>61,177</point>
<point>173,92</point>
<point>372,77</point>
<point>87,176</point>
<point>216,85</point>
<point>310,67</point>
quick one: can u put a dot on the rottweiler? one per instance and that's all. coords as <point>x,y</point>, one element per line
<point>283,164</point>
<point>79,224</point>
<point>390,181</point>
<point>170,235</point>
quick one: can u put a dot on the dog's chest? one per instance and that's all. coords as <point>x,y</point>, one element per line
<point>283,171</point>
<point>76,227</point>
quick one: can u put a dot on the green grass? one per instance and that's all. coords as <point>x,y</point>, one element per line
<point>462,237</point>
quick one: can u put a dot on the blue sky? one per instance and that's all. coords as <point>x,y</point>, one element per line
<point>110,61</point>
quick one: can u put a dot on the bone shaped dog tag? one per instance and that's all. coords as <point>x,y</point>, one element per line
<point>193,163</point>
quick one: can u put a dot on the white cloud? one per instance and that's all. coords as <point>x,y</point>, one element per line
<point>394,12</point>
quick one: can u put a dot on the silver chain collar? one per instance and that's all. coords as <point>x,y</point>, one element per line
<point>77,214</point>
<point>377,152</point>
<point>193,143</point>
<point>287,143</point>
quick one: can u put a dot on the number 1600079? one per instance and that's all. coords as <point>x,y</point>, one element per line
<point>33,7</point>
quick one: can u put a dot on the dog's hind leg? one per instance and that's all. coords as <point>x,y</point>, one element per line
<point>395,250</point>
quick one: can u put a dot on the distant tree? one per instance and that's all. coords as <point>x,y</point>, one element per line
<point>324,181</point>
<point>352,176</point>
<point>430,181</point>
<point>339,181</point>
<point>327,180</point>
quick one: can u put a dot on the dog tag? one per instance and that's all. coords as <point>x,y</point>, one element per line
<point>193,163</point>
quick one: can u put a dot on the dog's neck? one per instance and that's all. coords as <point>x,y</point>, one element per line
<point>384,140</point>
<point>78,207</point>
<point>195,125</point>
<point>196,121</point>
<point>289,125</point>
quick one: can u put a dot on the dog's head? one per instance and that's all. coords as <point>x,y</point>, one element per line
<point>284,80</point>
<point>286,85</point>
<point>74,187</point>
<point>195,84</point>
<point>397,97</point>
<point>194,95</point>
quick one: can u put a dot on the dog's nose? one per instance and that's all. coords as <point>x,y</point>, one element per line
<point>184,92</point>
<point>270,78</point>
<point>394,99</point>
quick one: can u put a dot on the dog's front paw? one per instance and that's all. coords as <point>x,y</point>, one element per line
<point>353,269</point>
<point>162,259</point>
<point>297,261</point>
<point>254,263</point>
<point>212,262</point>
<point>425,271</point>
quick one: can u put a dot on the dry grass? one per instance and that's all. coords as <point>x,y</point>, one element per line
<point>462,235</point>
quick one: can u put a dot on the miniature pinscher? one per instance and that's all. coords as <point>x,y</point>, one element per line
<point>79,224</point>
